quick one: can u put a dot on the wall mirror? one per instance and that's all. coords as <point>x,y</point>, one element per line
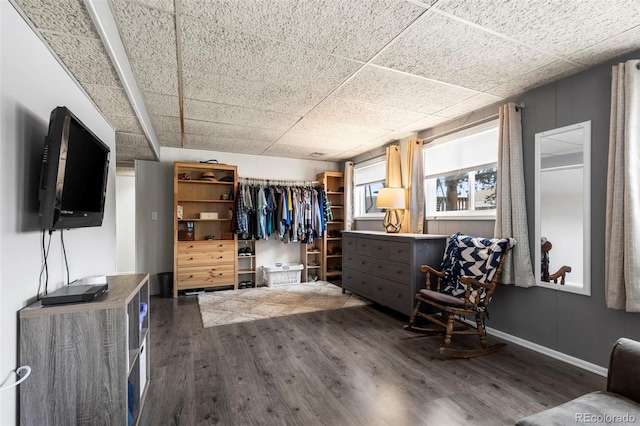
<point>562,208</point>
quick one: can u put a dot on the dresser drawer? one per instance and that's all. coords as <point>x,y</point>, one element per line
<point>349,243</point>
<point>363,246</point>
<point>380,249</point>
<point>400,252</point>
<point>391,294</point>
<point>357,261</point>
<point>206,246</point>
<point>392,270</point>
<point>203,275</point>
<point>356,281</point>
<point>216,256</point>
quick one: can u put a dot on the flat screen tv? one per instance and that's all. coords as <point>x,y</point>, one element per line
<point>73,177</point>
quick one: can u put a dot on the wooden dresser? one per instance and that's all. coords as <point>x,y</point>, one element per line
<point>385,268</point>
<point>205,249</point>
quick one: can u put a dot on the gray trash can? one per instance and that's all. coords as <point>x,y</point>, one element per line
<point>165,279</point>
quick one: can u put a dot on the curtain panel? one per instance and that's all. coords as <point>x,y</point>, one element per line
<point>414,214</point>
<point>622,241</point>
<point>511,209</point>
<point>349,208</point>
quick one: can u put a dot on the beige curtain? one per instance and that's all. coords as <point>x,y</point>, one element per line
<point>414,215</point>
<point>511,211</point>
<point>393,174</point>
<point>622,241</point>
<point>349,187</point>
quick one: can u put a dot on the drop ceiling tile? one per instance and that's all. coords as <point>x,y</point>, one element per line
<point>125,123</point>
<point>560,27</point>
<point>148,34</point>
<point>159,104</point>
<point>364,114</point>
<point>132,140</point>
<point>422,124</point>
<point>163,5</point>
<point>231,114</point>
<point>228,52</point>
<point>446,50</point>
<point>554,71</point>
<point>331,134</point>
<point>240,146</point>
<point>231,131</point>
<point>233,91</point>
<point>156,77</point>
<point>608,49</point>
<point>165,124</point>
<point>109,99</point>
<point>355,29</point>
<point>86,58</point>
<point>173,140</point>
<point>62,16</point>
<point>399,90</point>
<point>131,150</point>
<point>302,152</point>
<point>476,102</point>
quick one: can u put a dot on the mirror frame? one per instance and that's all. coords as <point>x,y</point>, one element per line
<point>586,209</point>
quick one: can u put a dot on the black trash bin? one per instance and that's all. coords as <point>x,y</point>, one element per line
<point>165,279</point>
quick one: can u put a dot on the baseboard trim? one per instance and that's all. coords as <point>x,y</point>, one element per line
<point>580,363</point>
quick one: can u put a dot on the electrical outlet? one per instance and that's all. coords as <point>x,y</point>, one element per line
<point>154,215</point>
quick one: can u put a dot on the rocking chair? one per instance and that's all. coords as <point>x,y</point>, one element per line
<point>464,287</point>
<point>561,273</point>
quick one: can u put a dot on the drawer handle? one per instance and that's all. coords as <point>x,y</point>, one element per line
<point>399,295</point>
<point>191,246</point>
<point>190,276</point>
<point>379,266</point>
<point>399,272</point>
<point>363,262</point>
<point>220,257</point>
<point>191,258</point>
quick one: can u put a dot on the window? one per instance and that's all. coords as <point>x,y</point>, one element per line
<point>368,179</point>
<point>461,171</point>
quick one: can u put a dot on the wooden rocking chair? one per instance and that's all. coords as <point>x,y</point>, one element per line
<point>545,248</point>
<point>464,287</point>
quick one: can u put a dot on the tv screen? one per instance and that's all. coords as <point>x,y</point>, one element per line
<point>73,179</point>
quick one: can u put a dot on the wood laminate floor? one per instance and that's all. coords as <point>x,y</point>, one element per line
<point>353,366</point>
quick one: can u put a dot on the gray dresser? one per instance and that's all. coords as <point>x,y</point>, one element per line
<point>385,268</point>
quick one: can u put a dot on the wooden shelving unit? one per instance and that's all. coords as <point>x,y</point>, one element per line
<point>84,355</point>
<point>205,249</point>
<point>311,258</point>
<point>331,270</point>
<point>247,261</point>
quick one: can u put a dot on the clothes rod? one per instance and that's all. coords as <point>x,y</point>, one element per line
<point>283,182</point>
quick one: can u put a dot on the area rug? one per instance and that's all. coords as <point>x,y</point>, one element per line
<point>233,306</point>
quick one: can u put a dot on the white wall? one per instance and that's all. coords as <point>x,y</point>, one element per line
<point>126,223</point>
<point>154,193</point>
<point>32,83</point>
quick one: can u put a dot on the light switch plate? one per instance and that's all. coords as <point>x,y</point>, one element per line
<point>154,215</point>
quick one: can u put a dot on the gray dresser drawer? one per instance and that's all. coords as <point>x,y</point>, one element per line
<point>357,261</point>
<point>356,281</point>
<point>391,294</point>
<point>380,249</point>
<point>400,251</point>
<point>392,270</point>
<point>363,246</point>
<point>349,243</point>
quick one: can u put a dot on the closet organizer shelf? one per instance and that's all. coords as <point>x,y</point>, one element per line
<point>333,183</point>
<point>205,201</point>
<point>203,220</point>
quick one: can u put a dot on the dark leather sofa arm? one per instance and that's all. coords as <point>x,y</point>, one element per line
<point>624,369</point>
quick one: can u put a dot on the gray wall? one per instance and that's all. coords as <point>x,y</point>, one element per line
<point>32,84</point>
<point>576,325</point>
<point>580,326</point>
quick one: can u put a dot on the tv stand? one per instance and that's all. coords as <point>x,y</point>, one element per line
<point>83,355</point>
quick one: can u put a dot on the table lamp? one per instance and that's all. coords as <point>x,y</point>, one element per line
<point>392,199</point>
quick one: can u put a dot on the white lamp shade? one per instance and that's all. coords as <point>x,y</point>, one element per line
<point>391,198</point>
